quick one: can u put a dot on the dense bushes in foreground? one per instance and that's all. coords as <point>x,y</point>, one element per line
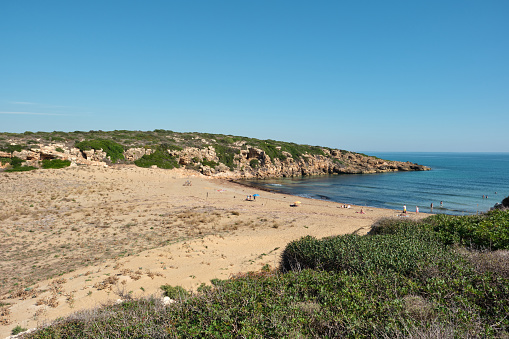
<point>490,231</point>
<point>403,280</point>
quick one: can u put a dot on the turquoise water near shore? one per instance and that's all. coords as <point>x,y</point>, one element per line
<point>458,179</point>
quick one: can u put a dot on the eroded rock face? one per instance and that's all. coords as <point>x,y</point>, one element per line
<point>334,161</point>
<point>133,154</point>
<point>247,163</point>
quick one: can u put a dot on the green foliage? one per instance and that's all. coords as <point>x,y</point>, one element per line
<point>399,281</point>
<point>490,230</point>
<point>11,148</point>
<point>161,158</point>
<point>17,330</point>
<point>308,303</point>
<point>55,163</point>
<point>209,163</point>
<point>15,163</point>
<point>4,161</point>
<point>20,169</point>
<point>175,292</point>
<point>59,149</point>
<point>254,163</point>
<point>226,155</point>
<point>170,147</point>
<point>272,151</point>
<point>395,253</point>
<point>114,150</point>
<point>337,161</point>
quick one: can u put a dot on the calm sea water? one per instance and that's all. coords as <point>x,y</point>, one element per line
<point>458,179</point>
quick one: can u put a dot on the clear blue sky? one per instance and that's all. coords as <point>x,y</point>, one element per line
<point>358,75</point>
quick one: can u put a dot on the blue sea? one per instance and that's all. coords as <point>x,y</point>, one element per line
<point>459,180</point>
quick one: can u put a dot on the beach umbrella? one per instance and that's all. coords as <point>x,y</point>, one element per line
<point>297,202</point>
<point>256,195</point>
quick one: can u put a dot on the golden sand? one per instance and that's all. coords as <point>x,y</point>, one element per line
<point>130,230</point>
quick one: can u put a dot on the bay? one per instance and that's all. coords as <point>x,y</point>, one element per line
<point>459,180</point>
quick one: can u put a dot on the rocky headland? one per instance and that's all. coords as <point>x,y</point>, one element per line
<point>212,155</point>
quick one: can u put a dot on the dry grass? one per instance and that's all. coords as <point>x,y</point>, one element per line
<point>52,225</point>
<point>496,262</point>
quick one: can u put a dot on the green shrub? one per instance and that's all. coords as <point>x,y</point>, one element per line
<point>175,292</point>
<point>4,161</point>
<point>161,158</point>
<point>114,150</point>
<point>226,155</point>
<point>55,163</point>
<point>11,148</point>
<point>170,147</point>
<point>489,230</point>
<point>20,169</point>
<point>337,161</point>
<point>17,330</point>
<point>209,163</point>
<point>368,292</point>
<point>59,149</point>
<point>15,163</point>
<point>404,254</point>
<point>254,163</point>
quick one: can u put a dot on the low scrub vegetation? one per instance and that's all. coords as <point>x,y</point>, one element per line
<point>15,165</point>
<point>160,158</point>
<point>115,142</point>
<point>113,150</point>
<point>404,279</point>
<point>55,163</point>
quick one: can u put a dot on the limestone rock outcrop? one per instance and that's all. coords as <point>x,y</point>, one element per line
<point>133,154</point>
<point>246,162</point>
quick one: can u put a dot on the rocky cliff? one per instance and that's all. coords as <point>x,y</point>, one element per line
<point>244,162</point>
<point>255,163</point>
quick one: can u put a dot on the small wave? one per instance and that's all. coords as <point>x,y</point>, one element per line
<point>274,185</point>
<point>323,197</point>
<point>309,196</point>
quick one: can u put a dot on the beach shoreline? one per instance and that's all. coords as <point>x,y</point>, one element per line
<point>76,238</point>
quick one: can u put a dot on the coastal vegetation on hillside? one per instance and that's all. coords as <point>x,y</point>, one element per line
<point>440,277</point>
<point>208,153</point>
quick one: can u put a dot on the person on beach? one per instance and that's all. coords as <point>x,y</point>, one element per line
<point>431,207</point>
<point>417,209</point>
<point>441,204</point>
<point>404,209</point>
<point>362,212</point>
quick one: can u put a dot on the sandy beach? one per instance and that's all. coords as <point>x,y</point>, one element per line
<point>79,237</point>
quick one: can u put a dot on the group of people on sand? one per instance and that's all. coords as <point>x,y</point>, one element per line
<point>345,206</point>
